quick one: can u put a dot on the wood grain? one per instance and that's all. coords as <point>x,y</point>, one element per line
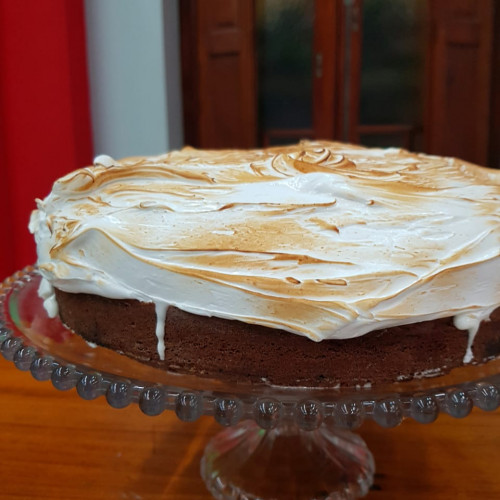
<point>55,445</point>
<point>459,57</point>
<point>219,73</point>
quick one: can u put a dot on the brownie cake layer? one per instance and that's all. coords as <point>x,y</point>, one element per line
<point>232,350</point>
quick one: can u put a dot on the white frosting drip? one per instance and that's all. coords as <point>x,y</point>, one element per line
<point>324,240</point>
<point>471,321</point>
<point>161,315</point>
<point>46,293</point>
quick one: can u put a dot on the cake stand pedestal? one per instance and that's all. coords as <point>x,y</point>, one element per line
<point>280,443</point>
<point>248,462</point>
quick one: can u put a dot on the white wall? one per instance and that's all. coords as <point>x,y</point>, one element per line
<point>134,72</point>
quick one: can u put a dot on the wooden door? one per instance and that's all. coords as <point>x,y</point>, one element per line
<point>337,64</point>
<point>219,68</point>
<point>459,79</point>
<point>218,65</point>
<point>494,158</point>
<point>455,46</point>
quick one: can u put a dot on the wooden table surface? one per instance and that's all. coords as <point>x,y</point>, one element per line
<point>55,445</point>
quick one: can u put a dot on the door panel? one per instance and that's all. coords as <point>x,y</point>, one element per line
<point>459,79</point>
<point>219,73</point>
<point>284,51</point>
<point>327,65</point>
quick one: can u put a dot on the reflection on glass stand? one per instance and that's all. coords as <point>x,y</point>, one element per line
<point>280,443</point>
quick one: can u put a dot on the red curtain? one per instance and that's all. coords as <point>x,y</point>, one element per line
<point>45,128</point>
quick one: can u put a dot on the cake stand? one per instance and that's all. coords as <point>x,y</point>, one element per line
<point>280,443</point>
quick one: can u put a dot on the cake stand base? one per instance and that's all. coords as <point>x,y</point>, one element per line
<point>247,462</point>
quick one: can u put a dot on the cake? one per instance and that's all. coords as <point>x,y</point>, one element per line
<point>315,264</point>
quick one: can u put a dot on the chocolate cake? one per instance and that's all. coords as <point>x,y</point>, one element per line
<point>316,264</point>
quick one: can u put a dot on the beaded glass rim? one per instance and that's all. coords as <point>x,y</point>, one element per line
<point>268,408</point>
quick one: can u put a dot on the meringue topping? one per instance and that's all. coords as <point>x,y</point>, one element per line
<point>321,239</point>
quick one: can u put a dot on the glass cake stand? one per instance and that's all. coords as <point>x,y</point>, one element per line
<point>280,443</point>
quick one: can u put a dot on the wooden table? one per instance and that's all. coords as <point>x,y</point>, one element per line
<point>55,445</point>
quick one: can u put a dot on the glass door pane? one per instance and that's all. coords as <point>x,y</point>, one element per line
<point>392,73</point>
<point>285,62</point>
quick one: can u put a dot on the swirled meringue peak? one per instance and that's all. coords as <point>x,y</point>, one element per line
<point>321,239</point>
